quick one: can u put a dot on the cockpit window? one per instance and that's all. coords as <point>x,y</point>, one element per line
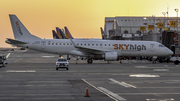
<point>160,45</point>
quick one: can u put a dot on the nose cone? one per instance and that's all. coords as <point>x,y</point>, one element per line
<point>170,52</point>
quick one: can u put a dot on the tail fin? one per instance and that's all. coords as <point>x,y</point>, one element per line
<point>58,32</point>
<point>68,34</point>
<point>19,30</point>
<point>55,36</point>
<point>62,34</point>
<point>102,34</point>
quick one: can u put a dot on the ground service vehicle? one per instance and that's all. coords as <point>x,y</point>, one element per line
<point>62,63</point>
<point>3,60</point>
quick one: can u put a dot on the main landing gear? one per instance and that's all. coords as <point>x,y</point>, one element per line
<point>89,60</point>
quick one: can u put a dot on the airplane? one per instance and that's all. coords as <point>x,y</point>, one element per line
<point>55,36</point>
<point>109,50</point>
<point>68,34</point>
<point>102,33</point>
<point>62,34</point>
<point>58,33</point>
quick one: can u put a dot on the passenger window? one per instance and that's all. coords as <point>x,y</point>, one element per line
<point>88,44</point>
<point>81,44</point>
<point>109,45</point>
<point>64,44</point>
<point>67,43</point>
<point>96,44</point>
<point>56,43</point>
<point>84,44</point>
<point>59,43</point>
<point>52,43</point>
<point>77,44</point>
<point>48,43</point>
<point>105,45</point>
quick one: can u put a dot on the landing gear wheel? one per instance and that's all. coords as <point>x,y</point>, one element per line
<point>89,61</point>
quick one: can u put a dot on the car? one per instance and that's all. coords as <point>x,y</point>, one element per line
<point>3,60</point>
<point>62,63</point>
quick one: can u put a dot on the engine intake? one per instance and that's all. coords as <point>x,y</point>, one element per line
<point>111,56</point>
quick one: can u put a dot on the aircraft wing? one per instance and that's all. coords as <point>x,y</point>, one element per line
<point>12,41</point>
<point>89,50</point>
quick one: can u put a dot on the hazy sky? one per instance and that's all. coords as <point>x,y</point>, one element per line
<point>82,17</point>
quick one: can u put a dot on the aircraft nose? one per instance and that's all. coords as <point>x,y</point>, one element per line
<point>170,52</point>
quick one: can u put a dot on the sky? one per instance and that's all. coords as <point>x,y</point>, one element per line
<point>82,17</point>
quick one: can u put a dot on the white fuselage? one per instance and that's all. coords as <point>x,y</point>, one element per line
<point>123,48</point>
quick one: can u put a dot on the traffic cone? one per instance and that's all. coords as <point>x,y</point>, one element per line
<point>120,62</point>
<point>87,93</point>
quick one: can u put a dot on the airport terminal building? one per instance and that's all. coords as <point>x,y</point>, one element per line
<point>161,29</point>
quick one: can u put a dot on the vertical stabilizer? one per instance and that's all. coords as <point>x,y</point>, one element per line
<point>19,30</point>
<point>68,34</point>
<point>58,32</point>
<point>62,34</point>
<point>55,36</point>
<point>102,33</point>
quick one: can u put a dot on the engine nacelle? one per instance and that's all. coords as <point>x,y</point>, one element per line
<point>111,56</point>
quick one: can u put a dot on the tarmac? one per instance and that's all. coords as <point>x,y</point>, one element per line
<point>32,76</point>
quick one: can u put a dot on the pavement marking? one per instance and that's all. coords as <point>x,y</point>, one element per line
<point>171,99</point>
<point>17,60</point>
<point>122,83</point>
<point>160,69</point>
<point>20,71</point>
<point>48,56</point>
<point>141,66</point>
<point>143,75</point>
<point>8,55</point>
<point>112,94</point>
<point>100,90</point>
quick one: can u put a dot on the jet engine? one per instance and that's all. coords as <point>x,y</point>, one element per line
<point>111,56</point>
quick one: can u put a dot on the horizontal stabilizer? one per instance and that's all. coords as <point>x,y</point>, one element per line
<point>11,41</point>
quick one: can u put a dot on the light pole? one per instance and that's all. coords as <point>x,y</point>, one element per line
<point>164,13</point>
<point>177,17</point>
<point>154,22</point>
<point>145,23</point>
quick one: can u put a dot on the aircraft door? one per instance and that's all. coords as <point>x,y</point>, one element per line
<point>43,44</point>
<point>152,47</point>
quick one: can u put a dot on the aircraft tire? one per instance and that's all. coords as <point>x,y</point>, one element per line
<point>89,61</point>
